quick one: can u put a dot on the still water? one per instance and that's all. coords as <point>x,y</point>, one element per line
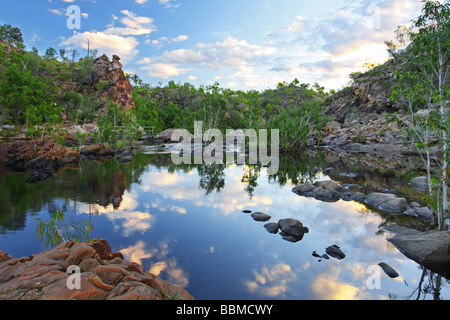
<point>186,224</point>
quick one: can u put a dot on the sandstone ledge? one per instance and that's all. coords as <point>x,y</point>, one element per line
<point>103,275</point>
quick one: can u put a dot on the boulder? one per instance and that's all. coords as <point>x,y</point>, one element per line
<point>165,136</point>
<point>420,183</point>
<point>272,227</point>
<point>102,275</point>
<point>423,213</point>
<point>430,249</point>
<point>387,202</point>
<point>292,228</point>
<point>328,190</point>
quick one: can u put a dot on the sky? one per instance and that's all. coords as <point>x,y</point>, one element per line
<point>242,45</point>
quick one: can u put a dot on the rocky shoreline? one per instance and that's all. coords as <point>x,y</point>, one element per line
<point>46,158</point>
<point>81,271</point>
<point>430,249</point>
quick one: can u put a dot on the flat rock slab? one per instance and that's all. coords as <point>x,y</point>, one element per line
<point>387,202</point>
<point>429,249</point>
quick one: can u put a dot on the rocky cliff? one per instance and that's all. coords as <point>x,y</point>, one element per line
<point>110,83</point>
<point>369,93</point>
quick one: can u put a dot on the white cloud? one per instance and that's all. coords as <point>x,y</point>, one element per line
<point>124,47</point>
<point>181,37</point>
<point>163,70</point>
<point>231,53</point>
<point>169,3</point>
<point>55,11</point>
<point>134,25</point>
<point>329,48</point>
<point>114,40</point>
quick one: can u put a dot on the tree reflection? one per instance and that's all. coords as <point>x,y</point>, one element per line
<point>430,283</point>
<point>212,177</point>
<point>250,177</point>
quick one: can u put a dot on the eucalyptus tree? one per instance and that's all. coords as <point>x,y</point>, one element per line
<point>429,54</point>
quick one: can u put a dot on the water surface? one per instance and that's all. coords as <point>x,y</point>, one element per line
<point>186,225</point>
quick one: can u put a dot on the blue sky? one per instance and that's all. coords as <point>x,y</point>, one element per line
<point>245,44</point>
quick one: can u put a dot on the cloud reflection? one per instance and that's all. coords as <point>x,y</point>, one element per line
<point>160,262</point>
<point>271,282</point>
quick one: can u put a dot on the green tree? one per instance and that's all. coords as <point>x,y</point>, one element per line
<point>11,35</point>
<point>429,52</point>
<point>26,98</point>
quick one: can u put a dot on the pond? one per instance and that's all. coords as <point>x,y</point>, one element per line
<point>186,225</point>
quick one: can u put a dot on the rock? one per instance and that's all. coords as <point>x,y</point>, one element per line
<point>335,252</point>
<point>92,150</point>
<point>348,175</point>
<point>165,136</point>
<point>259,216</point>
<point>332,126</point>
<point>102,275</point>
<point>420,183</point>
<point>423,213</point>
<point>387,202</point>
<point>292,227</point>
<point>384,190</point>
<point>429,249</point>
<point>118,88</point>
<point>328,171</point>
<point>328,191</point>
<point>389,270</point>
<point>44,157</point>
<point>272,227</point>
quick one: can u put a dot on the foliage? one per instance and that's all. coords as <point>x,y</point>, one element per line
<point>427,86</point>
<point>11,35</point>
<point>25,97</point>
<point>296,125</point>
<point>56,230</point>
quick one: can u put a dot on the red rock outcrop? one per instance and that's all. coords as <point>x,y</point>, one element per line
<point>99,274</point>
<point>117,87</point>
